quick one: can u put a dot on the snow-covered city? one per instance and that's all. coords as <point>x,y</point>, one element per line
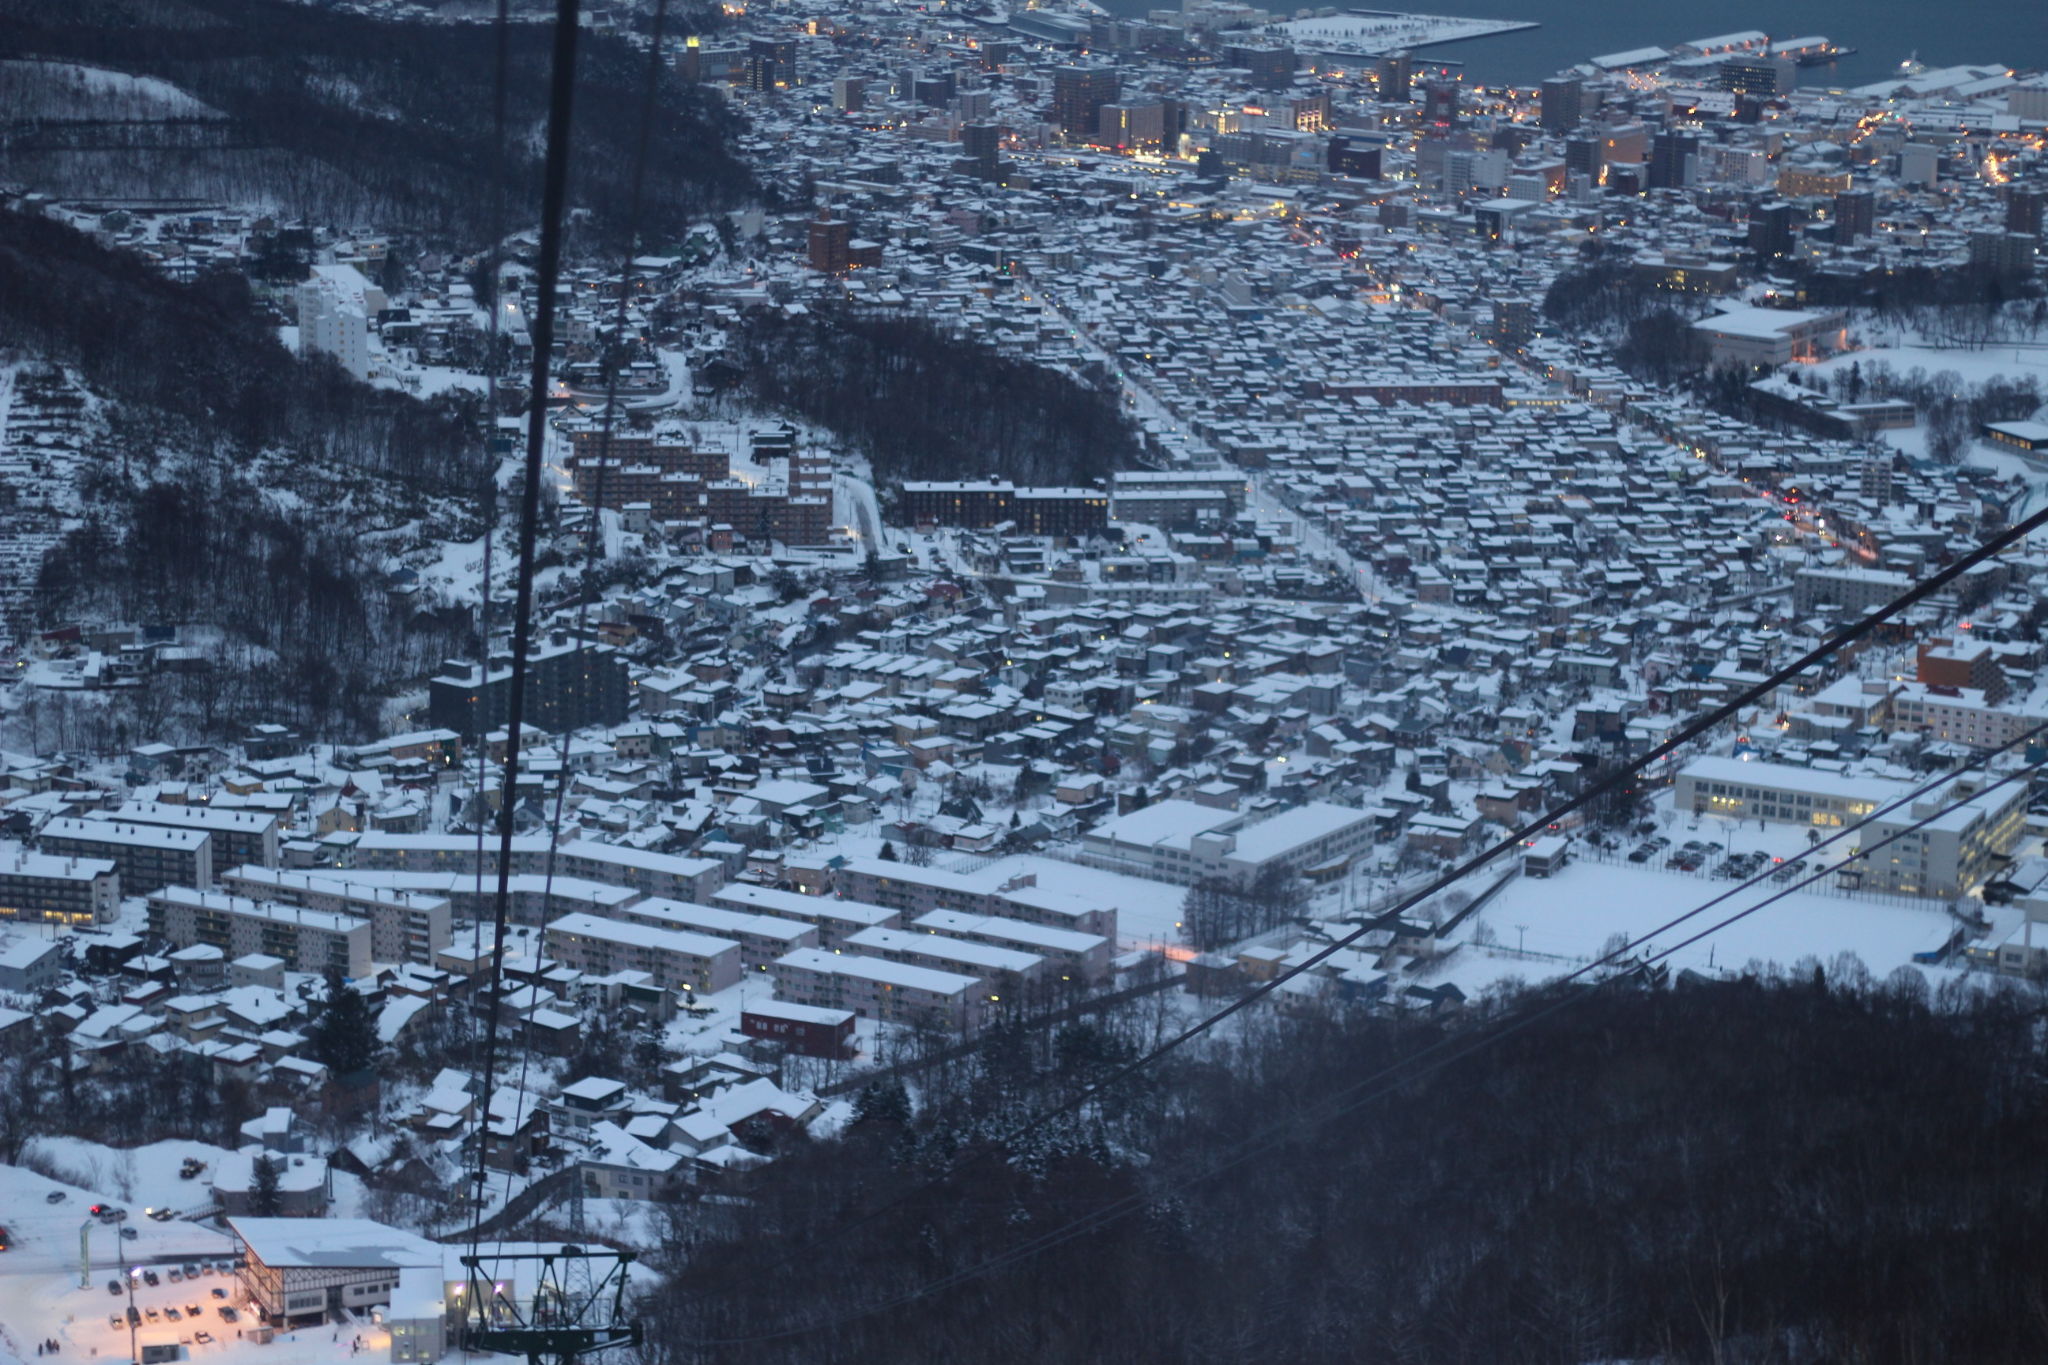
<point>863,667</point>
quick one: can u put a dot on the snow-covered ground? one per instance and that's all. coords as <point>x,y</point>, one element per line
<point>1906,354</point>
<point>1376,32</point>
<point>1544,927</point>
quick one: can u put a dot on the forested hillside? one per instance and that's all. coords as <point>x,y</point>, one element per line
<point>922,403</point>
<point>341,118</point>
<point>231,486</point>
<point>1797,1169</point>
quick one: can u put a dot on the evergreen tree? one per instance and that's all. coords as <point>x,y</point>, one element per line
<point>888,852</point>
<point>264,1199</point>
<point>345,1037</point>
<point>884,1101</point>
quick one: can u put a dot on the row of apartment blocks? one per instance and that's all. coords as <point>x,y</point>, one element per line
<point>651,874</point>
<point>980,504</point>
<point>405,926</point>
<point>151,845</point>
<point>675,483</point>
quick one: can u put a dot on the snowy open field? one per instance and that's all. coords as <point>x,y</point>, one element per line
<point>1562,922</point>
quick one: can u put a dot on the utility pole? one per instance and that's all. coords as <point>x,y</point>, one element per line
<point>134,1351</point>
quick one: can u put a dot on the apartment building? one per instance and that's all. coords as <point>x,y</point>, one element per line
<point>652,874</point>
<point>239,835</point>
<point>762,938</point>
<point>675,958</point>
<point>147,857</point>
<point>985,962</point>
<point>833,918</point>
<point>405,926</point>
<point>376,850</point>
<point>305,940</point>
<point>1074,956</point>
<point>53,889</point>
<point>1962,715</point>
<point>891,992</point>
<point>918,890</point>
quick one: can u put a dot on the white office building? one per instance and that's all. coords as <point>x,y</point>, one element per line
<point>335,308</point>
<point>1952,854</point>
<point>1180,841</point>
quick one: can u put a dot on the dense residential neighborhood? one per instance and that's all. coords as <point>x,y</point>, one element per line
<point>1350,468</point>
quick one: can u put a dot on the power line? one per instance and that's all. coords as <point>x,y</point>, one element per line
<point>1428,1062</point>
<point>554,199</point>
<point>594,548</point>
<point>1695,729</point>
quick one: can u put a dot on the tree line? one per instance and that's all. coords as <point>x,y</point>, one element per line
<point>345,118</point>
<point>200,356</point>
<point>1782,1168</point>
<point>923,403</point>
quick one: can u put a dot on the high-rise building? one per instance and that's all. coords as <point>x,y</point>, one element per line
<point>567,687</point>
<point>1582,157</point>
<point>1440,103</point>
<point>1855,216</point>
<point>1514,322</point>
<point>2006,254</point>
<point>1349,156</point>
<point>1674,160</point>
<point>1396,74</point>
<point>829,237</point>
<point>1875,476</point>
<point>1132,125</point>
<point>1770,229</point>
<point>1078,94</point>
<point>1271,66</point>
<point>1564,99</point>
<point>2025,208</point>
<point>1756,74</point>
<point>849,93</point>
<point>980,151</point>
<point>335,308</point>
<point>771,63</point>
<point>1920,164</point>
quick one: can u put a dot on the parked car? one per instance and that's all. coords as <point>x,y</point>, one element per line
<point>175,1275</point>
<point>191,1272</point>
<point>172,1314</point>
<point>203,1338</point>
<point>152,1314</point>
<point>219,1293</point>
<point>192,1310</point>
<point>149,1277</point>
<point>227,1314</point>
<point>116,1321</point>
<point>129,1233</point>
<point>134,1316</point>
<point>54,1197</point>
<point>113,1286</point>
